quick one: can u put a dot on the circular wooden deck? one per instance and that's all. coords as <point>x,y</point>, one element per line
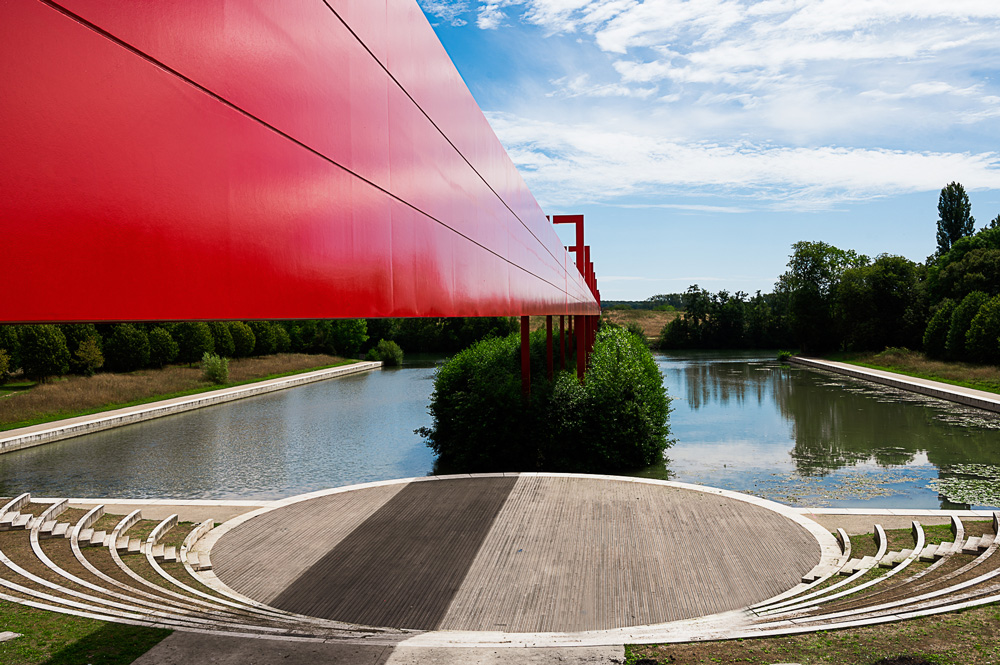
<point>515,553</point>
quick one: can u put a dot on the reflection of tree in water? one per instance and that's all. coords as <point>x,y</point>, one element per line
<point>724,382</point>
<point>838,422</point>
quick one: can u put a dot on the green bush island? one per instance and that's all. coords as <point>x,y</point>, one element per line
<point>388,352</point>
<point>215,368</point>
<point>616,420</point>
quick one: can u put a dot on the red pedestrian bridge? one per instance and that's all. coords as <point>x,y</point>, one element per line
<point>264,159</point>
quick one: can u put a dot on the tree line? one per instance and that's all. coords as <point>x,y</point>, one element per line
<point>40,351</point>
<point>835,299</point>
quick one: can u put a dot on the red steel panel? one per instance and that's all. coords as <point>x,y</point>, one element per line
<point>286,160</point>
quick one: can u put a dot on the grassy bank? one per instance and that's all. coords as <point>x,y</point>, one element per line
<point>959,638</point>
<point>916,364</point>
<point>52,638</point>
<point>23,405</point>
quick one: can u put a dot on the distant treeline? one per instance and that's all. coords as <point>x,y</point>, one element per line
<point>45,350</point>
<point>833,299</point>
<point>664,302</point>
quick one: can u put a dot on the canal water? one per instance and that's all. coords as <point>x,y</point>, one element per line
<point>740,421</point>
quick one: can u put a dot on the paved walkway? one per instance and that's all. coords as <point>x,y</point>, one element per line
<point>521,553</point>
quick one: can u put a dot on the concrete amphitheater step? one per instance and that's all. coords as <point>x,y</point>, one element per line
<point>108,603</point>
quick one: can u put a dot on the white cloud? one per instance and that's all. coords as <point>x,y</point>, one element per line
<point>573,164</point>
<point>580,86</point>
<point>886,59</point>
<point>449,11</point>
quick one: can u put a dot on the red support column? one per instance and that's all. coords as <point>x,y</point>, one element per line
<point>562,342</point>
<point>548,346</point>
<point>581,346</point>
<point>525,357</point>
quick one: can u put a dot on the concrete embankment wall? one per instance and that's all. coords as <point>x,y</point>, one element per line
<point>36,435</point>
<point>966,396</point>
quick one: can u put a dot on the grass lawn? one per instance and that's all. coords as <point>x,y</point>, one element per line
<point>914,363</point>
<point>25,404</point>
<point>958,638</point>
<point>52,638</point>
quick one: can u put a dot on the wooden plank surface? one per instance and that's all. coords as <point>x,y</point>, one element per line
<point>263,556</point>
<point>405,563</point>
<point>571,554</point>
<point>517,554</point>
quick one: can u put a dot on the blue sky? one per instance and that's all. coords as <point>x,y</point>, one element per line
<point>701,138</point>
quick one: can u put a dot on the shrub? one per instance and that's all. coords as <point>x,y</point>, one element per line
<point>616,420</point>
<point>214,368</point>
<point>676,334</point>
<point>126,348</point>
<point>636,330</point>
<point>88,357</point>
<point>194,339</point>
<point>783,356</point>
<point>936,334</point>
<point>243,339</point>
<point>162,347</point>
<point>388,352</point>
<point>43,351</point>
<point>981,341</point>
<point>961,319</point>
<point>222,339</point>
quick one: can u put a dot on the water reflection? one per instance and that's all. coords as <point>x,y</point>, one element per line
<point>748,423</point>
<point>741,421</point>
<point>354,429</point>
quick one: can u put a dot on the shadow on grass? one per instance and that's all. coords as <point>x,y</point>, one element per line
<point>114,644</point>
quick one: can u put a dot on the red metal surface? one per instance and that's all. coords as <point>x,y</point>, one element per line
<point>257,159</point>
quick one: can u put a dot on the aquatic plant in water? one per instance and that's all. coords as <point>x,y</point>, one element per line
<point>977,484</point>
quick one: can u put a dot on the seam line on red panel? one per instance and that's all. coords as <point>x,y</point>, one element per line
<point>441,132</point>
<point>222,100</point>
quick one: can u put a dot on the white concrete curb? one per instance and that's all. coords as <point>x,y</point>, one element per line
<point>967,396</point>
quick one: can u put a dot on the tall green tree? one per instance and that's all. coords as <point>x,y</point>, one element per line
<point>43,351</point>
<point>11,343</point>
<point>955,218</point>
<point>126,348</point>
<point>961,319</point>
<point>814,270</point>
<point>194,339</point>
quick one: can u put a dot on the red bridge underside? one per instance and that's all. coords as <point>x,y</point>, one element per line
<point>193,159</point>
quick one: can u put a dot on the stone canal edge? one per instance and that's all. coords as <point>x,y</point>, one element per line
<point>58,430</point>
